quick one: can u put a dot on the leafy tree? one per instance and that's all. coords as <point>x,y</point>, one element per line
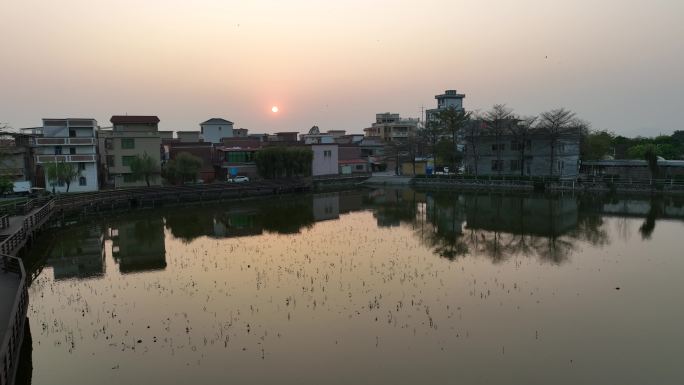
<point>69,174</point>
<point>650,155</point>
<point>185,167</point>
<point>597,144</point>
<point>142,167</point>
<point>6,184</point>
<point>453,121</point>
<point>445,154</point>
<point>283,162</point>
<point>430,136</point>
<point>61,172</point>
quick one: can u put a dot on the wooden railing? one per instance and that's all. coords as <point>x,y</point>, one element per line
<point>15,240</point>
<point>79,200</point>
<point>14,334</point>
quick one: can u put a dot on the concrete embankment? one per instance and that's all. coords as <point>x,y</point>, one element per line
<point>388,180</point>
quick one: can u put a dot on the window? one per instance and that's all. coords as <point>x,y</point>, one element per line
<point>82,181</point>
<point>127,143</point>
<point>126,160</point>
<point>72,133</point>
<point>499,146</point>
<point>497,165</point>
<point>109,145</point>
<point>110,160</point>
<point>516,146</point>
<point>58,150</point>
<point>515,164</point>
<point>72,150</point>
<point>327,154</point>
<point>81,166</point>
<point>359,167</point>
<point>239,157</point>
<point>561,165</point>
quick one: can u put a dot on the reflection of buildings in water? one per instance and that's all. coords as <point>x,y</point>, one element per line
<point>351,201</point>
<point>521,215</point>
<point>237,223</point>
<point>138,245</point>
<point>326,206</point>
<point>78,253</point>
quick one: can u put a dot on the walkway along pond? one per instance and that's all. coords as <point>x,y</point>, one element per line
<point>15,232</point>
<point>350,287</point>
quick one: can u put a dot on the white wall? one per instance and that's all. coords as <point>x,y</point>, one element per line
<point>322,164</point>
<point>90,173</point>
<point>214,132</point>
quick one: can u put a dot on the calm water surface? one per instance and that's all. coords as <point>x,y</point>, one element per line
<point>383,286</point>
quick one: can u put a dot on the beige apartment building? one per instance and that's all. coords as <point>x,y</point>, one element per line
<point>391,128</point>
<point>131,136</point>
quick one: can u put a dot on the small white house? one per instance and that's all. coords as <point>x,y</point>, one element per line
<point>325,157</point>
<point>216,128</point>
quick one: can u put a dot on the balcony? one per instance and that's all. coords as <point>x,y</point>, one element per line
<point>65,141</point>
<point>66,158</point>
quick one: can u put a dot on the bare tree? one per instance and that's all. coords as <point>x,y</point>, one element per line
<point>554,124</point>
<point>473,131</point>
<point>522,132</point>
<point>498,120</point>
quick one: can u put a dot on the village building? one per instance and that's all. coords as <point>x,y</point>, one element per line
<point>391,127</point>
<point>72,141</point>
<point>132,136</point>
<point>214,129</point>
<point>538,154</point>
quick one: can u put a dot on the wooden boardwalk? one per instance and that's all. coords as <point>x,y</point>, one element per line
<point>15,232</point>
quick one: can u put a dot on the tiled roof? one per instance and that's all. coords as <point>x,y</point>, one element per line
<point>217,121</point>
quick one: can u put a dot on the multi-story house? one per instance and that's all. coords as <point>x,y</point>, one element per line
<point>17,162</point>
<point>390,127</point>
<point>71,141</point>
<point>132,136</point>
<point>537,154</point>
<point>216,128</point>
<point>449,99</point>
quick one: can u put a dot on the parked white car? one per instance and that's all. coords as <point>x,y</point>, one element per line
<point>238,179</point>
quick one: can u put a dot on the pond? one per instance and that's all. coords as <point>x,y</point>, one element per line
<point>367,286</point>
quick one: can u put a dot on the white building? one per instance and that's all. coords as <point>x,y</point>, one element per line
<point>72,141</point>
<point>324,160</point>
<point>449,99</point>
<point>216,128</point>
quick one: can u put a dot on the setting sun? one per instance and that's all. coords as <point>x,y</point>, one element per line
<point>274,109</point>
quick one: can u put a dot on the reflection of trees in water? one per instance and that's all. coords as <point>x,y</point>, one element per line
<point>286,216</point>
<point>656,210</point>
<point>283,216</point>
<point>189,224</point>
<point>499,227</point>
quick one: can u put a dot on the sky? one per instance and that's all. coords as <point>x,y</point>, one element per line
<point>619,64</point>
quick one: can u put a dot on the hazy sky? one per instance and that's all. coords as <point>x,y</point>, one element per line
<point>618,63</point>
